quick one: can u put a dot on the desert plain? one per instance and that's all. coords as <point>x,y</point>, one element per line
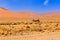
<point>28,25</point>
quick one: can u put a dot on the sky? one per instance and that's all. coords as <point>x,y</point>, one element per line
<point>39,6</point>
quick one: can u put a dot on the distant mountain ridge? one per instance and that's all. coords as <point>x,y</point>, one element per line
<point>26,14</point>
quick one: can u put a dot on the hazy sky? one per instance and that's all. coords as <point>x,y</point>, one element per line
<point>32,5</point>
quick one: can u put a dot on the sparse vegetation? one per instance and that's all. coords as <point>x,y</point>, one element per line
<point>9,28</point>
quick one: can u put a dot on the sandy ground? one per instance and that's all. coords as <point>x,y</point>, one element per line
<point>34,36</point>
<point>30,30</point>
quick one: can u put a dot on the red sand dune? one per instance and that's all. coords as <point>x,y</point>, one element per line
<point>7,13</point>
<point>26,14</point>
